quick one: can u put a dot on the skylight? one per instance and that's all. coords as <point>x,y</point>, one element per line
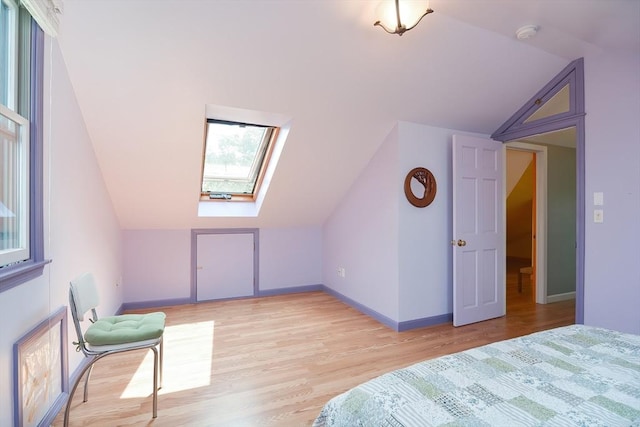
<point>239,163</point>
<point>235,159</point>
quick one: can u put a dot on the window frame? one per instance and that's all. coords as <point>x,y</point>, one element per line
<point>11,54</point>
<point>15,274</point>
<point>21,250</point>
<point>271,136</point>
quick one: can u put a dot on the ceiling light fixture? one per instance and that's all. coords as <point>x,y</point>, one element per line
<point>408,10</point>
<point>526,32</point>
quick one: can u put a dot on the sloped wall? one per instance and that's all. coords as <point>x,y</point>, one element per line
<point>362,235</point>
<point>398,258</point>
<point>81,229</point>
<point>519,208</point>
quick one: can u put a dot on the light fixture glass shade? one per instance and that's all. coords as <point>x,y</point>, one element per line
<point>411,12</point>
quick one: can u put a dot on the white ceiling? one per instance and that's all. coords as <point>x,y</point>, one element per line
<point>144,70</point>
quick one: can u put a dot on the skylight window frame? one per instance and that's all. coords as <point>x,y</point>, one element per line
<point>258,167</point>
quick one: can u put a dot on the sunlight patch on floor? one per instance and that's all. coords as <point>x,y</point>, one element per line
<point>188,353</point>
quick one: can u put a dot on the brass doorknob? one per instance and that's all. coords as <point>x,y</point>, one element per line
<point>462,243</point>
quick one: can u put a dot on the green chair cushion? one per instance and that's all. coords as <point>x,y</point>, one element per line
<point>126,328</point>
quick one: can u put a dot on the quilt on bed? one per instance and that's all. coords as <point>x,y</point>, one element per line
<point>570,376</point>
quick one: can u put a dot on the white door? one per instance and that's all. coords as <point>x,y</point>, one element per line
<point>224,266</point>
<point>478,230</point>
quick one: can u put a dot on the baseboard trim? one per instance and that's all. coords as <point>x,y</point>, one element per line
<point>153,304</point>
<point>363,308</point>
<point>291,290</point>
<point>425,321</point>
<point>560,297</point>
<point>396,326</point>
<point>181,301</point>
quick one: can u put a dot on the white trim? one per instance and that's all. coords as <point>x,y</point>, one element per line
<point>21,251</point>
<point>561,297</point>
<point>12,54</point>
<point>46,13</point>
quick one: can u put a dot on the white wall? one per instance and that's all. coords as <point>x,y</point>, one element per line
<point>157,263</point>
<point>361,235</point>
<point>612,270</point>
<point>81,229</point>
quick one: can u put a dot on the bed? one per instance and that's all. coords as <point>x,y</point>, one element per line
<point>570,376</point>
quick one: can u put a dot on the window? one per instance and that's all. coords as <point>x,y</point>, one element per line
<point>14,200</point>
<point>21,59</point>
<point>235,159</point>
<point>8,56</point>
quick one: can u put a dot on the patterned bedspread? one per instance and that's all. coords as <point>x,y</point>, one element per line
<point>570,376</point>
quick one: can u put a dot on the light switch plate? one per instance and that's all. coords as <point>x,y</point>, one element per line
<point>598,198</point>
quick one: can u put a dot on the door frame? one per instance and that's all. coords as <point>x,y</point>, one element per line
<point>540,153</point>
<point>194,255</point>
<point>517,128</point>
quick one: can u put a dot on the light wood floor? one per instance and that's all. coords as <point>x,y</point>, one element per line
<point>275,361</point>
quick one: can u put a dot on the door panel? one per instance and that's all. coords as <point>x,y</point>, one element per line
<point>478,230</point>
<point>224,266</point>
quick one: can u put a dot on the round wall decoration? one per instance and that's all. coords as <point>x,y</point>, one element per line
<point>428,181</point>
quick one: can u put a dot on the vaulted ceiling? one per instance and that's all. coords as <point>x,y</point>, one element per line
<point>144,70</point>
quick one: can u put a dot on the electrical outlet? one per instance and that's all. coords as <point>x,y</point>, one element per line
<point>598,216</point>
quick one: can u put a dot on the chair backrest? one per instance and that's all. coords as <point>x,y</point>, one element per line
<point>84,295</point>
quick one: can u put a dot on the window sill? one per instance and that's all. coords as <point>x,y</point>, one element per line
<point>21,273</point>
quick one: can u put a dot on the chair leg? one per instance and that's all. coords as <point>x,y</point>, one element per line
<point>157,378</point>
<point>86,384</point>
<point>88,368</point>
<point>155,382</point>
<point>161,360</point>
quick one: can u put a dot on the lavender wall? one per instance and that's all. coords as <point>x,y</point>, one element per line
<point>290,257</point>
<point>398,258</point>
<point>362,235</point>
<point>157,263</point>
<point>81,230</point>
<point>612,151</point>
<point>425,233</point>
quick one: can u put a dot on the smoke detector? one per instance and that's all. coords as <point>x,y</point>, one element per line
<point>526,32</point>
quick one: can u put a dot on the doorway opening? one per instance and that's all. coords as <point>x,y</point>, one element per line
<point>541,221</point>
<point>520,207</point>
<point>558,108</point>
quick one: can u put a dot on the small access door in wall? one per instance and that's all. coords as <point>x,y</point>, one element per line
<point>225,265</point>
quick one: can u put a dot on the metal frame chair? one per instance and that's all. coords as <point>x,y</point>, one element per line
<point>83,296</point>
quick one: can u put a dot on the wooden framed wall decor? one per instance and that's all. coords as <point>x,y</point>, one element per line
<point>41,372</point>
<point>428,181</point>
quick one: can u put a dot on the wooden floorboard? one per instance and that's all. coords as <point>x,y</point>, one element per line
<point>275,361</point>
